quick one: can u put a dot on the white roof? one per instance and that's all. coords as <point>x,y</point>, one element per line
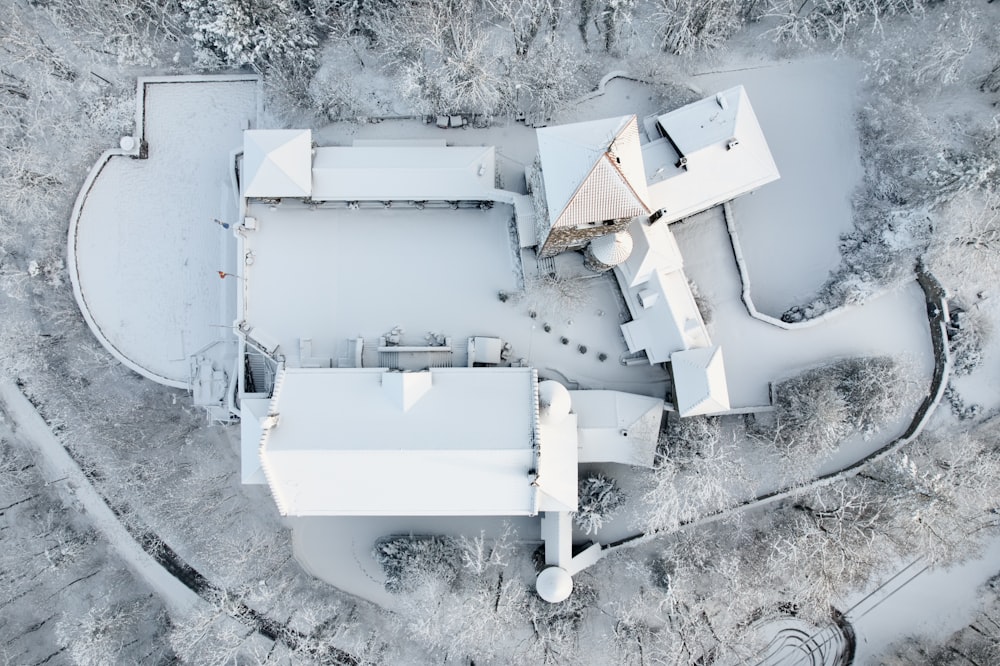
<point>592,171</point>
<point>654,248</point>
<point>665,317</point>
<point>403,173</point>
<point>617,427</point>
<point>252,410</point>
<point>277,163</point>
<point>612,249</point>
<point>365,441</point>
<point>554,402</point>
<point>700,381</point>
<point>725,149</point>
<point>554,584</point>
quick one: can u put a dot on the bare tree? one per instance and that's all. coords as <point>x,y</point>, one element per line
<point>687,26</point>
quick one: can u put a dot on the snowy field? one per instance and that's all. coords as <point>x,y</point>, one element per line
<point>757,353</point>
<point>147,252</point>
<point>790,229</point>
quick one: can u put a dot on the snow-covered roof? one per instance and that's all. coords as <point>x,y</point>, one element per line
<point>554,584</point>
<point>592,171</point>
<point>665,317</point>
<point>403,172</point>
<point>252,411</point>
<point>554,402</point>
<point>700,381</point>
<point>654,248</point>
<point>612,249</point>
<point>366,441</point>
<point>723,149</point>
<point>617,427</point>
<point>277,163</point>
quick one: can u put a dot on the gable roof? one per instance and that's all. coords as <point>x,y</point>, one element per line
<point>654,248</point>
<point>617,427</point>
<point>593,171</point>
<point>700,381</point>
<point>277,163</point>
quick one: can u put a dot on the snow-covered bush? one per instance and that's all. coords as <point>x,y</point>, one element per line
<point>599,499</point>
<point>684,441</point>
<point>815,410</point>
<point>252,32</point>
<point>555,296</point>
<point>409,560</point>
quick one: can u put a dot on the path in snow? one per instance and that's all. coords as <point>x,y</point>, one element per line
<point>58,467</point>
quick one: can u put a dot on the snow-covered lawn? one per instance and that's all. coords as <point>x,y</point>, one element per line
<point>790,229</point>
<point>337,549</point>
<point>146,250</point>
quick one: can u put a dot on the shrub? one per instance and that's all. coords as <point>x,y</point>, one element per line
<point>408,560</point>
<point>817,409</point>
<point>599,498</point>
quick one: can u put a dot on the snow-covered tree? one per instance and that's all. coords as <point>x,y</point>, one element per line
<point>252,32</point>
<point>457,597</point>
<point>525,19</point>
<point>546,80</point>
<point>815,410</point>
<point>686,26</point>
<point>599,499</point>
<point>127,631</point>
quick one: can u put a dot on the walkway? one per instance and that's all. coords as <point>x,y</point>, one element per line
<point>58,467</point>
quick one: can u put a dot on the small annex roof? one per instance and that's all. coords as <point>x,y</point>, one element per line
<point>252,413</point>
<point>392,172</point>
<point>363,441</point>
<point>654,248</point>
<point>700,381</point>
<point>612,249</point>
<point>277,163</point>
<point>554,584</point>
<point>592,171</point>
<point>712,151</point>
<point>617,427</point>
<point>665,317</point>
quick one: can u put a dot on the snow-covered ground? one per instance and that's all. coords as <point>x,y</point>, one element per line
<point>931,604</point>
<point>757,353</point>
<point>147,253</point>
<point>790,229</point>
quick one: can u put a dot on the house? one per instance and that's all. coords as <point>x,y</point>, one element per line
<point>328,245</point>
<point>592,182</point>
<point>610,194</point>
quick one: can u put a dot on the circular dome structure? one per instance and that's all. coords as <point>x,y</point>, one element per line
<point>612,249</point>
<point>554,584</point>
<point>553,402</point>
